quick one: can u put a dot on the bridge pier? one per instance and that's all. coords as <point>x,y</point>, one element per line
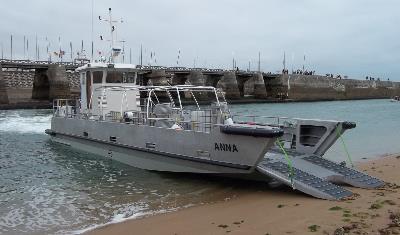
<point>3,89</point>
<point>179,79</point>
<point>59,87</point>
<point>229,85</point>
<point>41,86</point>
<point>157,78</point>
<point>241,80</point>
<point>213,79</point>
<point>260,91</point>
<point>196,78</point>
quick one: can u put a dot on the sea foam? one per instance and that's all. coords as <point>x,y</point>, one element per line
<point>14,122</point>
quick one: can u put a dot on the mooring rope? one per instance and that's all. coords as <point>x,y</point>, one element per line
<point>288,160</point>
<point>345,147</point>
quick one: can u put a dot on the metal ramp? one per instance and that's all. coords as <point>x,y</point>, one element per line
<point>349,176</point>
<point>315,175</point>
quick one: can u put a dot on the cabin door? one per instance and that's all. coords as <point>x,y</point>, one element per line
<point>89,90</point>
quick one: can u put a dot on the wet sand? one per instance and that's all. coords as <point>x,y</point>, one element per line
<point>283,211</point>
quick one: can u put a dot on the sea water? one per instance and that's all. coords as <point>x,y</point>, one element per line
<point>46,188</point>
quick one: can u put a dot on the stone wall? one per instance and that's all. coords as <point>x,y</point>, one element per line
<point>55,82</point>
<point>18,86</point>
<point>25,86</point>
<point>3,89</point>
<point>311,87</point>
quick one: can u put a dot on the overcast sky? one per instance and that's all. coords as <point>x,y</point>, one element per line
<point>348,37</point>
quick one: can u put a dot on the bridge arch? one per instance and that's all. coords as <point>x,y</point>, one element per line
<point>41,85</point>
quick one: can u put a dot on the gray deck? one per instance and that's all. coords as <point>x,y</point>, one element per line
<point>315,175</point>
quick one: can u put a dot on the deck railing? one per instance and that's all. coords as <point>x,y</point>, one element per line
<point>66,107</point>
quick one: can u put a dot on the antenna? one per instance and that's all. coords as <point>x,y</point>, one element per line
<point>92,31</point>
<point>115,51</point>
<point>123,50</point>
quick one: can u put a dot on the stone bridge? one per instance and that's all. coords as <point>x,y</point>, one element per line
<point>26,81</point>
<point>31,81</point>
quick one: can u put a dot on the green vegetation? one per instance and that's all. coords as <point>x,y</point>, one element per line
<point>313,228</point>
<point>335,208</point>
<point>347,215</point>
<point>376,206</point>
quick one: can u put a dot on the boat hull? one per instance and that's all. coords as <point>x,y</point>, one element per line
<point>170,150</point>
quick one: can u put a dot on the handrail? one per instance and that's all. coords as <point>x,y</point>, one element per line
<point>284,118</point>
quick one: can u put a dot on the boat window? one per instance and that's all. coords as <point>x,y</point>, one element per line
<point>97,76</point>
<point>114,77</point>
<point>129,77</point>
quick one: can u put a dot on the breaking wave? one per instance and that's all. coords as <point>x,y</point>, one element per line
<point>29,122</point>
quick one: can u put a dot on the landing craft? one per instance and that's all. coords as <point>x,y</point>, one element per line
<point>149,127</point>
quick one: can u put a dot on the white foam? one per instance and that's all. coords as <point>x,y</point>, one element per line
<point>14,122</point>
<point>119,218</point>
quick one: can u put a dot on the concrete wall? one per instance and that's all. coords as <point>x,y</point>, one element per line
<point>18,85</point>
<point>3,89</point>
<point>301,87</point>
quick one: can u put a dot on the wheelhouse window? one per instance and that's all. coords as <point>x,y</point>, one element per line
<point>97,77</point>
<point>114,77</point>
<point>129,77</point>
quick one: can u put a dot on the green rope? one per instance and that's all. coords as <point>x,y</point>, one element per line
<point>289,161</point>
<point>345,147</point>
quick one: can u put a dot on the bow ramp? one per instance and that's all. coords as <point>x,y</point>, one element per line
<point>315,175</point>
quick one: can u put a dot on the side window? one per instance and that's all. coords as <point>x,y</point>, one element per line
<point>129,77</point>
<point>114,77</point>
<point>97,77</point>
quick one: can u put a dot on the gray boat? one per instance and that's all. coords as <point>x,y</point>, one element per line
<point>191,129</point>
<point>157,132</point>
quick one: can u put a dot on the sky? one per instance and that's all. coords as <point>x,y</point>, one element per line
<point>356,38</point>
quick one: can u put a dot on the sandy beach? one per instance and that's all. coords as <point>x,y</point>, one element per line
<point>284,211</point>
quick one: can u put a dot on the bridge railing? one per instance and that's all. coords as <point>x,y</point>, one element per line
<point>40,62</point>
